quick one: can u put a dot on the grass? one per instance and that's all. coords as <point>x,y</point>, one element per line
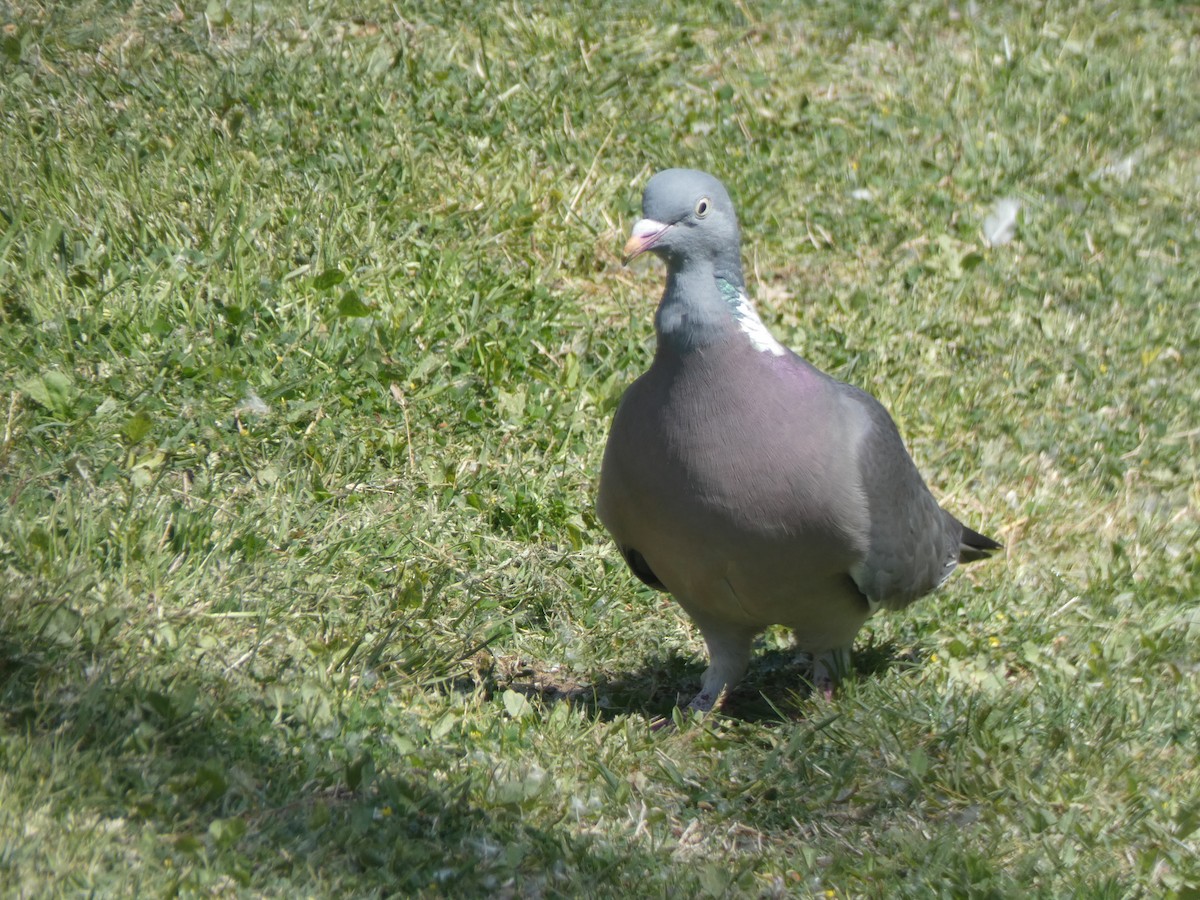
<point>311,325</point>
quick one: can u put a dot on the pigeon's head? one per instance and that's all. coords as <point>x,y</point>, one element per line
<point>686,215</point>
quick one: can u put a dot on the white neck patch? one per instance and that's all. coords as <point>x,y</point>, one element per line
<point>752,326</point>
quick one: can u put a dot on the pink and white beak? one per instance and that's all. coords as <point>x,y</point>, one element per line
<point>645,234</point>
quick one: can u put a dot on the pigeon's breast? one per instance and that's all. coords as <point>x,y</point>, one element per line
<point>739,462</point>
<point>764,441</point>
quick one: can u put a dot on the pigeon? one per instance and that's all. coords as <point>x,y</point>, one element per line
<point>753,487</point>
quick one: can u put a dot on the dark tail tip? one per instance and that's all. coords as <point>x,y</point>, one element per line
<point>975,546</point>
<point>641,568</point>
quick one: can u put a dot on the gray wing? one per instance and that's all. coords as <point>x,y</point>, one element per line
<point>913,544</point>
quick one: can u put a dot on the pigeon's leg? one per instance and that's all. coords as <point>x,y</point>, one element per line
<point>729,648</point>
<point>828,668</point>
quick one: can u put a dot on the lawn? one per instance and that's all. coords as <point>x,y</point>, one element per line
<point>312,323</point>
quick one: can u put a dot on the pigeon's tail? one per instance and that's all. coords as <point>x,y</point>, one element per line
<point>973,546</point>
<point>638,565</point>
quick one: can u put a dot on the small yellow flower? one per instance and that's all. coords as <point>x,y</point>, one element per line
<point>993,641</point>
<point>933,657</point>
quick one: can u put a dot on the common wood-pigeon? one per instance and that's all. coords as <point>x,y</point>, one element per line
<point>753,487</point>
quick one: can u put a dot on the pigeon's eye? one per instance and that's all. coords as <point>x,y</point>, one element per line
<point>702,207</point>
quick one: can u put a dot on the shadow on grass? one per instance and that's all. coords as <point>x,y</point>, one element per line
<point>219,785</point>
<point>773,689</point>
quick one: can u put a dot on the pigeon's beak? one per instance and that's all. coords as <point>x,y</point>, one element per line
<point>645,234</point>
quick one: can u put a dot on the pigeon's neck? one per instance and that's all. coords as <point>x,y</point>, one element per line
<point>701,307</point>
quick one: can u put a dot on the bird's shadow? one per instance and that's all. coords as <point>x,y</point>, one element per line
<point>774,689</point>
